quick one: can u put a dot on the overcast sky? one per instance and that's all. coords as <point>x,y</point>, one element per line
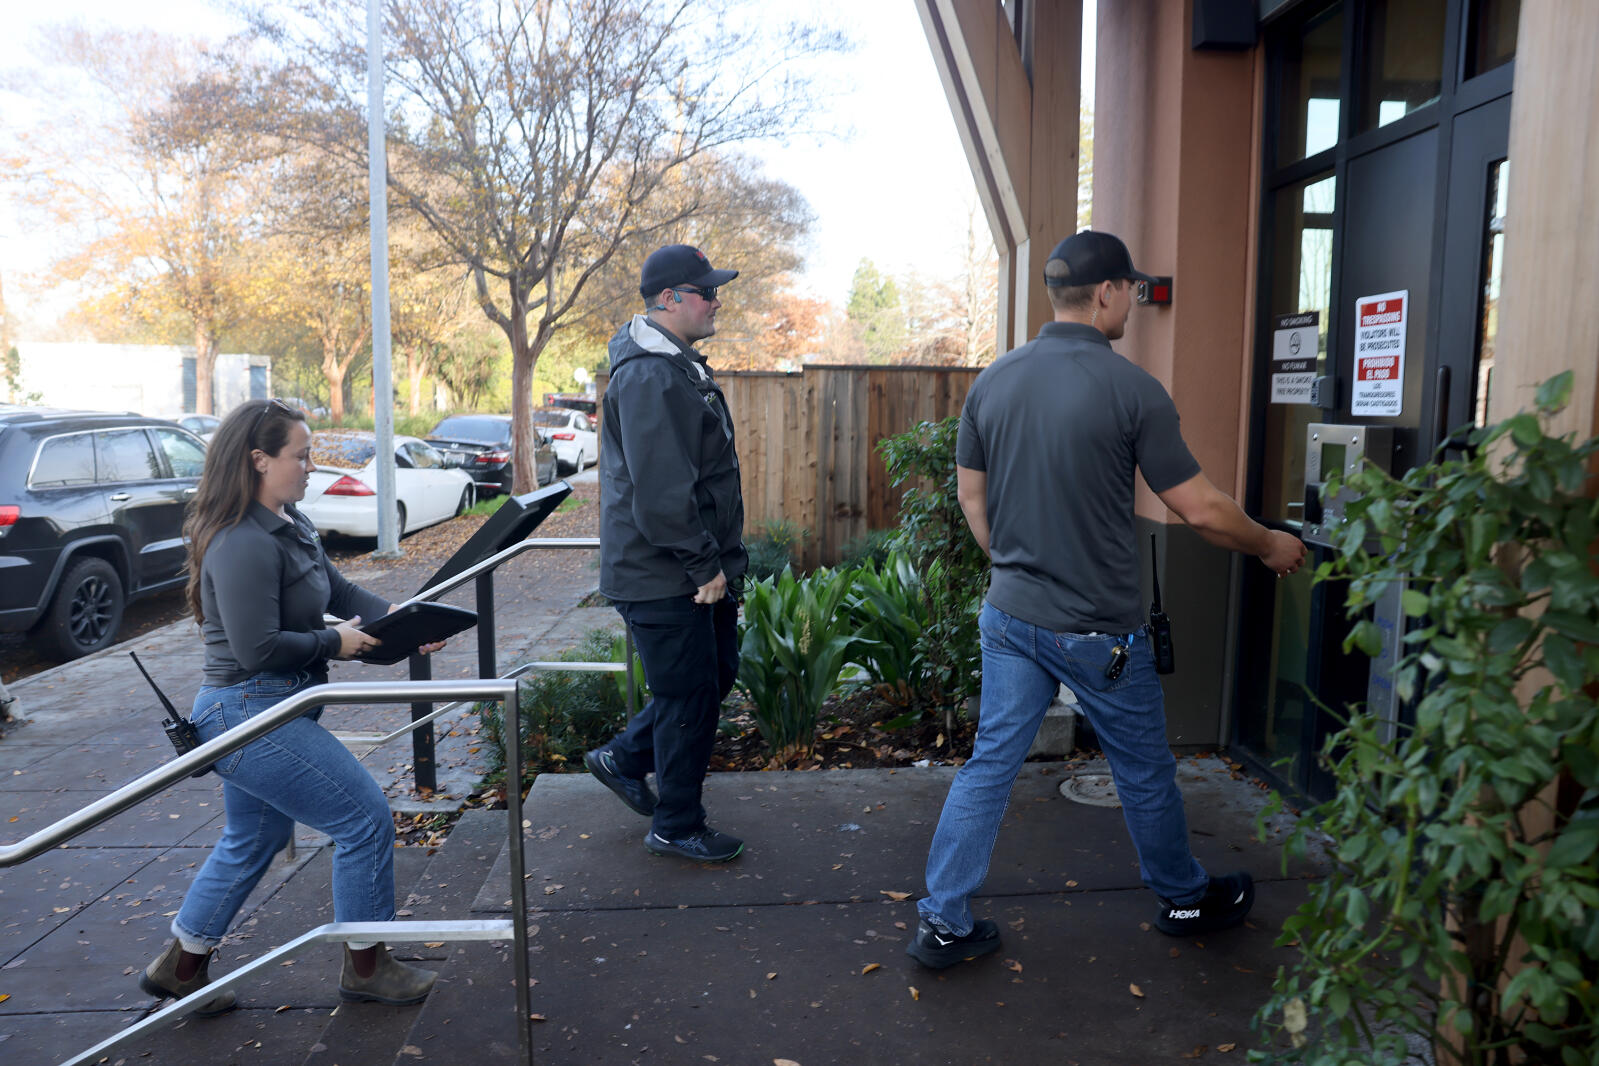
<point>889,181</point>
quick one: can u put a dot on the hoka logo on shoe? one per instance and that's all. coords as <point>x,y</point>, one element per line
<point>1192,913</point>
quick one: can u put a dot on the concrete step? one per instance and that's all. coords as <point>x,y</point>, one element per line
<point>452,877</point>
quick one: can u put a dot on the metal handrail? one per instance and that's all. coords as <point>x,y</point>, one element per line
<point>331,933</point>
<point>525,668</point>
<point>285,710</point>
<point>499,557</point>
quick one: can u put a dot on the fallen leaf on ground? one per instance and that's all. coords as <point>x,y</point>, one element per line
<point>1225,1047</point>
<point>914,993</point>
<point>1196,1053</point>
<point>1012,964</point>
<point>1135,990</point>
<point>784,1062</point>
<point>771,977</point>
<point>897,897</point>
<point>869,967</point>
<point>537,1018</point>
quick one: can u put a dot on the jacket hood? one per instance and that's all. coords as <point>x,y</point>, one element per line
<point>639,337</point>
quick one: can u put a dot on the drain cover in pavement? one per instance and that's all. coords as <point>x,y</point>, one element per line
<point>1096,790</point>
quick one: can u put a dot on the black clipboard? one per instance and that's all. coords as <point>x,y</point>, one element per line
<point>411,625</point>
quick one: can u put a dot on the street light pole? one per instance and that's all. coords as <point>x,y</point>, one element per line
<point>378,213</point>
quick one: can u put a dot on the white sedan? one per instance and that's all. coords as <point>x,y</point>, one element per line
<point>573,436</point>
<point>341,496</point>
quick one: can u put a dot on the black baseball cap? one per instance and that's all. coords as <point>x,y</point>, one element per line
<point>679,264</point>
<point>1088,258</point>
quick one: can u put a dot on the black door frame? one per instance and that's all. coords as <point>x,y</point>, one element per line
<point>1457,97</point>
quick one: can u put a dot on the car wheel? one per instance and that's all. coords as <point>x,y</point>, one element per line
<point>399,520</point>
<point>465,501</point>
<point>86,611</point>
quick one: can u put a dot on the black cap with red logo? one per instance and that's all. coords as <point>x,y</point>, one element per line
<point>679,264</point>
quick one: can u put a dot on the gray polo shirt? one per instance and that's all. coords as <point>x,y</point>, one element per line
<point>264,586</point>
<point>1059,425</point>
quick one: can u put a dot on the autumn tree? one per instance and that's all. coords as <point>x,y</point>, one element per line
<point>151,203</point>
<point>534,137</point>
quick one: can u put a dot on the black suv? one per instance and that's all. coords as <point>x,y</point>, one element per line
<point>91,515</point>
<point>481,445</point>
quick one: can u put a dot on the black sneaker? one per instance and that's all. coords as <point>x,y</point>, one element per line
<point>1226,902</point>
<point>633,791</point>
<point>937,947</point>
<point>702,845</point>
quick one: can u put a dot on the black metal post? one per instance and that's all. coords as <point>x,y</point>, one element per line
<point>486,666</point>
<point>512,717</point>
<point>427,774</point>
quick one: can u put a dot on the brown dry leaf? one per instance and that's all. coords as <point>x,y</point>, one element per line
<point>1196,1053</point>
<point>433,943</point>
<point>4,996</point>
<point>679,1039</point>
<point>899,925</point>
<point>1012,964</point>
<point>784,1062</point>
<point>1071,884</point>
<point>1225,1047</point>
<point>1144,926</point>
<point>897,897</point>
<point>869,967</point>
<point>1174,953</point>
<point>283,1008</point>
<point>914,993</point>
<point>412,1050</point>
<point>537,1018</point>
<point>1135,990</point>
<point>771,977</point>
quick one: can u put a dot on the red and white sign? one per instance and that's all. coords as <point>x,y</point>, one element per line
<point>1380,322</point>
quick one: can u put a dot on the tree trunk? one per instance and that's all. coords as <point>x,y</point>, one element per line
<point>523,448</point>
<point>205,361</point>
<point>333,374</point>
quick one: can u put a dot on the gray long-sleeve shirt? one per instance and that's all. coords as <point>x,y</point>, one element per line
<point>265,584</point>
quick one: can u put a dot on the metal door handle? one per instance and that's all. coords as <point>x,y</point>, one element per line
<point>119,497</point>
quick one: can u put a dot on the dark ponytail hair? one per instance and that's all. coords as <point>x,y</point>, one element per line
<point>228,483</point>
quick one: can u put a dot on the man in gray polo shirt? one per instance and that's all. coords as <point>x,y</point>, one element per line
<point>1050,438</point>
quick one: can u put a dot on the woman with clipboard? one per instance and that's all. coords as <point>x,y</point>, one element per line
<point>259,585</point>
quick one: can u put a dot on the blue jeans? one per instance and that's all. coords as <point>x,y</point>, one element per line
<point>690,656</point>
<point>1023,665</point>
<point>298,773</point>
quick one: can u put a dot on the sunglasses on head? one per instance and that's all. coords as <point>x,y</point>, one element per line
<point>706,293</point>
<point>261,415</point>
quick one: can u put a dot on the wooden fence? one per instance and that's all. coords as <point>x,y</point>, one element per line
<point>807,444</point>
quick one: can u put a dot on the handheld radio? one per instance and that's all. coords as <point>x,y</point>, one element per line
<point>1159,624</point>
<point>179,730</point>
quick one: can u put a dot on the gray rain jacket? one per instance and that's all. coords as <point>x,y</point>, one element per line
<point>671,509</point>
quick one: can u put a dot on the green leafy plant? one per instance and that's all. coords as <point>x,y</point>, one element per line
<point>953,569</point>
<point>795,641</point>
<point>1463,903</point>
<point>888,612</point>
<point>564,713</point>
<point>871,548</point>
<point>772,548</point>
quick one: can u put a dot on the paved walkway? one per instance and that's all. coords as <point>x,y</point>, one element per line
<point>793,952</point>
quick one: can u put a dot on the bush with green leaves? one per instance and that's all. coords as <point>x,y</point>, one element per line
<point>1463,903</point>
<point>871,548</point>
<point>795,638</point>
<point>566,713</point>
<point>772,548</point>
<point>953,569</point>
<point>888,613</point>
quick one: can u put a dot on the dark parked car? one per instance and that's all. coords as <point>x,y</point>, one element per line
<point>91,516</point>
<point>481,445</point>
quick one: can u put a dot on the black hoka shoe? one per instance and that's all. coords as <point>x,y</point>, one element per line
<point>937,947</point>
<point>702,845</point>
<point>1226,902</point>
<point>633,791</point>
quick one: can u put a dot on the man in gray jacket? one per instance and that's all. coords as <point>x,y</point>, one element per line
<point>671,548</point>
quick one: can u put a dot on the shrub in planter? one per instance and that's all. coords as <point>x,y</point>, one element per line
<point>565,713</point>
<point>888,612</point>
<point>953,569</point>
<point>795,639</point>
<point>772,548</point>
<point>1463,906</point>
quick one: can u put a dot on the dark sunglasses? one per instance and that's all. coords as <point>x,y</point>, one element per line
<point>261,415</point>
<point>707,294</point>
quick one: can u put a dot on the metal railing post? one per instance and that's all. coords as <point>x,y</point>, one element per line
<point>423,763</point>
<point>511,716</point>
<point>486,662</point>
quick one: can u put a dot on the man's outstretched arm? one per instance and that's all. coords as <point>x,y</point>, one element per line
<point>1216,517</point>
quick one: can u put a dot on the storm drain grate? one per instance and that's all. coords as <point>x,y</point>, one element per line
<point>1096,790</point>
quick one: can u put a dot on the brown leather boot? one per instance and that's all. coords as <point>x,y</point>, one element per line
<point>392,981</point>
<point>160,979</point>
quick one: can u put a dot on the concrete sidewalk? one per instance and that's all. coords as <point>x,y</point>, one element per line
<point>794,951</point>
